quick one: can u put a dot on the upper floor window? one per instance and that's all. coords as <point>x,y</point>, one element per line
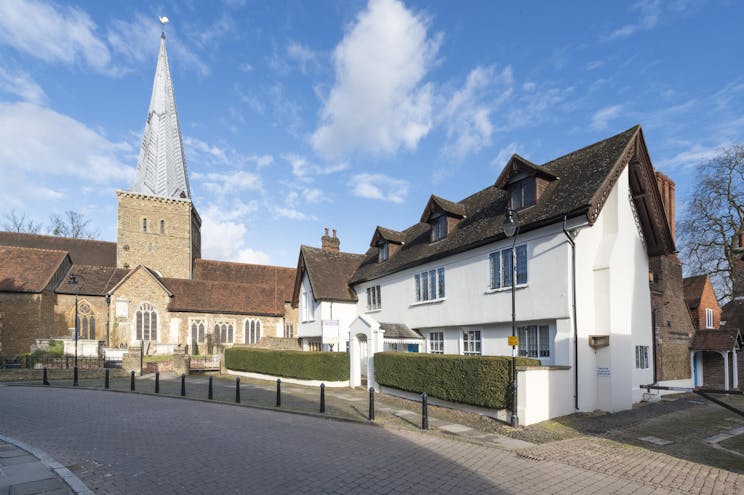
<point>534,341</point>
<point>429,285</point>
<point>500,263</point>
<point>471,340</point>
<point>523,193</point>
<point>374,299</point>
<point>144,225</point>
<point>146,321</point>
<point>306,305</point>
<point>438,228</point>
<point>384,252</point>
<point>709,318</point>
<point>436,342</point>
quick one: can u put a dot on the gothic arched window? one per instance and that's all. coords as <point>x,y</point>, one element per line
<point>197,331</point>
<point>86,323</point>
<point>146,319</point>
<point>252,331</point>
<point>224,332</point>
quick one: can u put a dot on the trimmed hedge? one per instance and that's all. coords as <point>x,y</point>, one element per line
<point>478,380</point>
<point>329,366</point>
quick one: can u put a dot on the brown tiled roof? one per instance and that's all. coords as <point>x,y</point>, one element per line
<point>716,340</point>
<point>208,296</point>
<point>585,177</point>
<point>388,235</point>
<point>399,331</point>
<point>82,251</point>
<point>516,164</point>
<point>91,280</point>
<point>279,277</point>
<point>455,209</point>
<point>329,273</point>
<point>30,270</point>
<point>733,314</point>
<point>693,287</point>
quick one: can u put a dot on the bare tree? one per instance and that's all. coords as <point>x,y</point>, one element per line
<point>712,218</point>
<point>71,224</point>
<point>13,222</point>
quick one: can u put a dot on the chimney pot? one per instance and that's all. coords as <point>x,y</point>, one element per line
<point>326,231</point>
<point>334,232</point>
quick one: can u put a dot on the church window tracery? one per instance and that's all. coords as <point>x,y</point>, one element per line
<point>252,329</point>
<point>146,321</point>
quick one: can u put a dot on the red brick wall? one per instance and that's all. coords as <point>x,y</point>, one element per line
<point>707,300</point>
<point>713,370</point>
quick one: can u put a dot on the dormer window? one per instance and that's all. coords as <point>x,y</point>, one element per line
<point>384,252</point>
<point>523,193</point>
<point>438,228</point>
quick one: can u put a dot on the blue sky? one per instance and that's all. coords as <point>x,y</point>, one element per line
<point>302,115</point>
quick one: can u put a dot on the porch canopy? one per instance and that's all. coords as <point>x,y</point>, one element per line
<point>728,343</point>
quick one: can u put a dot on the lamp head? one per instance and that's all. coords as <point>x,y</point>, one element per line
<point>511,222</point>
<point>73,279</point>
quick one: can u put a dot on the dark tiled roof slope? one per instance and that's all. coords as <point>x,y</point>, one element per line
<point>82,251</point>
<point>582,174</point>
<point>715,340</point>
<point>399,331</point>
<point>207,296</point>
<point>733,314</point>
<point>91,280</point>
<point>243,273</point>
<point>27,269</point>
<point>693,287</point>
<point>390,235</point>
<point>329,273</point>
<point>449,206</point>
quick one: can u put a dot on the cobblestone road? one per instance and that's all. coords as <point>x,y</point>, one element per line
<point>124,443</point>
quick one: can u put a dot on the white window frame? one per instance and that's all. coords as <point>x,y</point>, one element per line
<point>306,304</point>
<point>374,298</point>
<point>499,278</point>
<point>226,328</point>
<point>424,285</point>
<point>146,307</point>
<point>201,336</point>
<point>641,356</point>
<point>709,318</point>
<point>472,342</point>
<point>436,342</point>
<point>534,341</point>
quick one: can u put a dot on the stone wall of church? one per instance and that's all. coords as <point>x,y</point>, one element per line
<point>160,233</point>
<point>182,324</point>
<point>26,317</point>
<point>64,315</point>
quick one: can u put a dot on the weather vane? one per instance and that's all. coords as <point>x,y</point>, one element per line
<point>163,22</point>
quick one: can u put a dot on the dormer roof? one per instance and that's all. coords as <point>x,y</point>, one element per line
<point>389,235</point>
<point>518,166</point>
<point>437,205</point>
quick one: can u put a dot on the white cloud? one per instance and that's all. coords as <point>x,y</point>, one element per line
<point>603,116</point>
<point>21,84</point>
<point>504,154</point>
<point>304,170</point>
<point>467,115</point>
<point>649,12</point>
<point>379,101</point>
<point>225,240</point>
<point>211,155</point>
<point>226,183</point>
<point>693,156</point>
<point>379,186</point>
<point>54,34</point>
<point>304,57</point>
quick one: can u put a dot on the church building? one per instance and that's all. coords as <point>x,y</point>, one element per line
<point>151,287</point>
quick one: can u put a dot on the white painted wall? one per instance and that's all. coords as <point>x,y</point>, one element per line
<point>541,394</point>
<point>345,313</point>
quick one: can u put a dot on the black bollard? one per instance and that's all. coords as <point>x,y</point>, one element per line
<point>237,390</point>
<point>211,395</point>
<point>46,378</point>
<point>157,382</point>
<point>67,362</point>
<point>322,397</point>
<point>371,403</point>
<point>183,385</point>
<point>75,376</point>
<point>106,379</point>
<point>424,411</point>
<point>131,381</point>
<point>278,392</point>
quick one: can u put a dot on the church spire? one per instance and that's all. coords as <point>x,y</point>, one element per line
<point>161,167</point>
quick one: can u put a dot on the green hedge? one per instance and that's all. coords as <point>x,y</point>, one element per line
<point>329,366</point>
<point>478,380</point>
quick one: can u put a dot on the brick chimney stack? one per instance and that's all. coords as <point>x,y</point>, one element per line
<point>330,243</point>
<point>666,188</point>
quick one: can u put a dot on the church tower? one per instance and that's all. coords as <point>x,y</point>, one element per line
<point>158,225</point>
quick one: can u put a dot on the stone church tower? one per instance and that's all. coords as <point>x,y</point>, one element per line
<point>158,225</point>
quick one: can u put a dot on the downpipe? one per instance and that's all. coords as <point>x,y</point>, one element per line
<point>575,323</point>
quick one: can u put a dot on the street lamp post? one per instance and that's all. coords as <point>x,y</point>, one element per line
<point>73,282</point>
<point>511,229</point>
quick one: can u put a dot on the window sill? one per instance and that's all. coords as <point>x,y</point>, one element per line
<point>374,310</point>
<point>430,301</point>
<point>505,289</point>
<point>307,321</point>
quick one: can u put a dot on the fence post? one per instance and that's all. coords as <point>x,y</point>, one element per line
<point>237,390</point>
<point>46,379</point>
<point>67,362</point>
<point>183,385</point>
<point>371,403</point>
<point>424,411</point>
<point>157,382</point>
<point>26,361</point>
<point>322,397</point>
<point>106,380</point>
<point>211,396</point>
<point>278,392</point>
<point>131,381</point>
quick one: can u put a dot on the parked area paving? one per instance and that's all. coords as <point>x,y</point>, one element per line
<point>24,470</point>
<point>136,443</point>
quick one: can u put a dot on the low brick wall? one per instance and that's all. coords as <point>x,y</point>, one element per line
<point>36,375</point>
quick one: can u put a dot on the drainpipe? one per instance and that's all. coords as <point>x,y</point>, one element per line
<point>575,324</point>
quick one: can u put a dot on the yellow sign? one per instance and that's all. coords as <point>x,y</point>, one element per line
<point>513,340</point>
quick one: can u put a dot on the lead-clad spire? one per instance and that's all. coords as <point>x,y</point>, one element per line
<point>161,167</point>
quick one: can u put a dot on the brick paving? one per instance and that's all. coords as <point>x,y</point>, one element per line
<point>131,443</point>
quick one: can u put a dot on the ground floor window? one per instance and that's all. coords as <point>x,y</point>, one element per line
<point>534,341</point>
<point>641,353</point>
<point>436,342</point>
<point>224,332</point>
<point>471,340</point>
<point>146,322</point>
<point>252,330</point>
<point>197,331</point>
<point>86,322</point>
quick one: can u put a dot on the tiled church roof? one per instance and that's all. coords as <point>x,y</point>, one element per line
<point>278,277</point>
<point>82,251</point>
<point>207,296</point>
<point>29,270</point>
<point>91,280</point>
